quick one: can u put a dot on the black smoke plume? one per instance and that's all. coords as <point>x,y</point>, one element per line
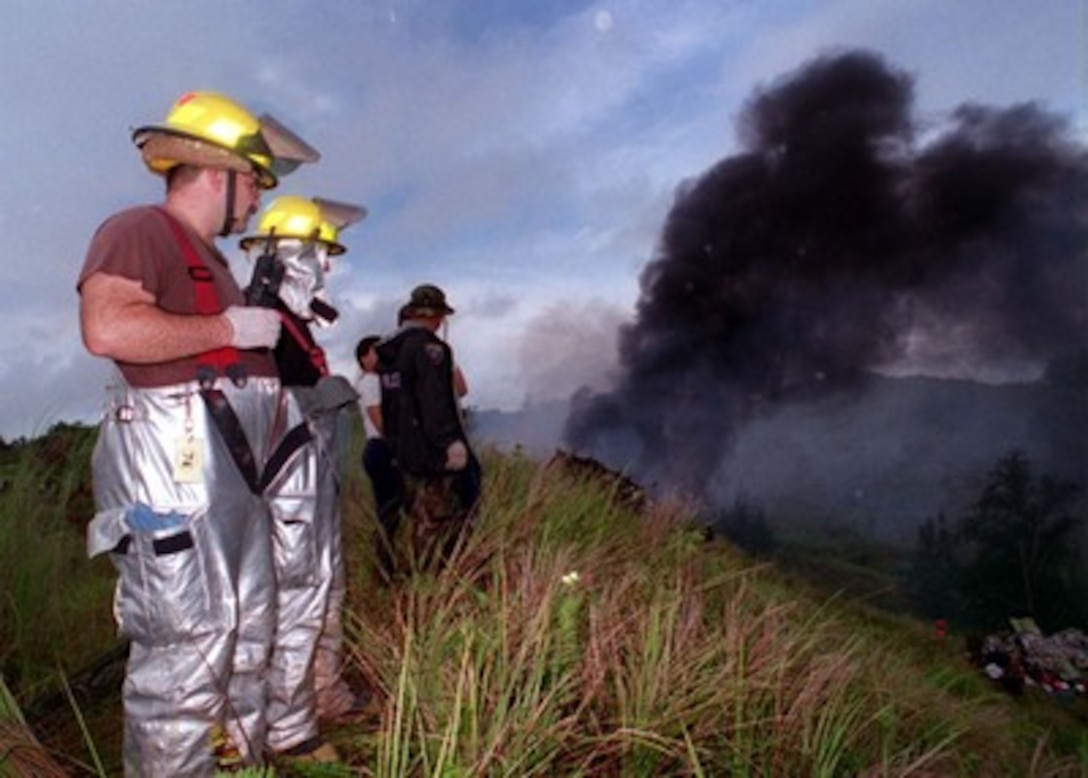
<point>845,236</point>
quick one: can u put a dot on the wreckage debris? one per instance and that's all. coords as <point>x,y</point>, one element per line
<point>1024,657</point>
<point>625,492</point>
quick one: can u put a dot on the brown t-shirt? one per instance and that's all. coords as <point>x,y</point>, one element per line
<point>138,244</point>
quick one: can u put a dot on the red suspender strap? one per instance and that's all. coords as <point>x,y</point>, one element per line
<point>317,354</point>
<point>221,360</point>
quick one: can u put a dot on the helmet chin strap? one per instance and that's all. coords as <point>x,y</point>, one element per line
<point>228,216</point>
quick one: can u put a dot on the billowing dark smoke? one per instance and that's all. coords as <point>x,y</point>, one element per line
<point>837,242</point>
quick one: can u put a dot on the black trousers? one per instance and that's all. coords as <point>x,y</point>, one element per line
<point>388,487</point>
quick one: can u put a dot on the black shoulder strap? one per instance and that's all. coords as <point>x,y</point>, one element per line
<point>298,437</point>
<point>230,429</point>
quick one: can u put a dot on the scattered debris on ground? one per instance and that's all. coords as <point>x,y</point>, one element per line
<point>1024,657</point>
<point>625,491</point>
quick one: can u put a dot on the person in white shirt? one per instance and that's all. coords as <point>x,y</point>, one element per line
<point>385,479</point>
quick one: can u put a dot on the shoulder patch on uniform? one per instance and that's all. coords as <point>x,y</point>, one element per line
<point>435,353</point>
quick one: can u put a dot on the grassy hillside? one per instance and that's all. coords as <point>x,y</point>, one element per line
<point>569,636</point>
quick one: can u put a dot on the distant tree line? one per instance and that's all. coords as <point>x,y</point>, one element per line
<point>1017,552</point>
<point>58,435</point>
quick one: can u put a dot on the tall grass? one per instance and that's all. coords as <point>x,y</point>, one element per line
<point>20,752</point>
<point>51,596</point>
<point>569,636</point>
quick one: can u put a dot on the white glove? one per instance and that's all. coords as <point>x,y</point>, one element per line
<point>253,327</point>
<point>456,456</point>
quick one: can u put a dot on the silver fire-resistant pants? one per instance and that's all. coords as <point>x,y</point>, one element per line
<point>304,677</point>
<point>196,585</point>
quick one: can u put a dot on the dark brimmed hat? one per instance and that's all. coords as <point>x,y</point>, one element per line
<point>428,300</point>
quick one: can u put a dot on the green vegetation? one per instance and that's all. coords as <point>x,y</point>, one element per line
<point>568,636</point>
<point>54,603</point>
<point>1016,553</point>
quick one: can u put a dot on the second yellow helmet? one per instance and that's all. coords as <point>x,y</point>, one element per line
<point>291,216</point>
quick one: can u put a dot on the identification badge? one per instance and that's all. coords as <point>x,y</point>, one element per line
<point>189,460</point>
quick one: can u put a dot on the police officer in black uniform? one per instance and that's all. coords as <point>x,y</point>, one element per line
<point>425,426</point>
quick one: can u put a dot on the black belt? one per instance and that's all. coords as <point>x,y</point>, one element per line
<point>171,544</point>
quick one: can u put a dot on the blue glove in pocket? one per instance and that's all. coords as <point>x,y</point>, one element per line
<point>141,518</point>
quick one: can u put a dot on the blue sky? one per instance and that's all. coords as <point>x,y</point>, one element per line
<point>522,155</point>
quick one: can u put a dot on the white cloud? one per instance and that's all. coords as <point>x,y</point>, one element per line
<point>520,156</point>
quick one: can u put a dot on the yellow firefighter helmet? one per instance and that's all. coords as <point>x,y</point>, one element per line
<point>207,129</point>
<point>291,216</point>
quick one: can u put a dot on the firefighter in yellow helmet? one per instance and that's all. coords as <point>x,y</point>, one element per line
<point>291,251</point>
<point>179,465</point>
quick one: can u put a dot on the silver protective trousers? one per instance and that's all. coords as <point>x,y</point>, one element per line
<point>196,584</point>
<point>304,677</point>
